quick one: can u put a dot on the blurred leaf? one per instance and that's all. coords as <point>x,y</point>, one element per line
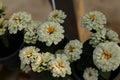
<point>105,75</point>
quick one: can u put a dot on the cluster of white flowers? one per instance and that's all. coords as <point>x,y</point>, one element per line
<point>18,21</point>
<point>94,20</point>
<point>57,16</point>
<point>30,35</point>
<point>73,50</point>
<point>2,26</point>
<point>106,53</point>
<point>104,42</point>
<point>106,56</point>
<point>103,35</point>
<point>90,74</point>
<point>50,32</point>
<point>59,64</point>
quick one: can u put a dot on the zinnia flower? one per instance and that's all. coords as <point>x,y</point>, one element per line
<point>30,35</point>
<point>90,74</point>
<point>106,56</point>
<point>102,36</point>
<point>44,64</point>
<point>25,67</point>
<point>28,54</point>
<point>60,66</point>
<point>18,21</point>
<point>94,20</point>
<point>57,16</point>
<point>50,32</point>
<point>73,49</point>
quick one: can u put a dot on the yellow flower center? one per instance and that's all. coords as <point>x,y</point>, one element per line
<point>28,53</point>
<point>55,15</point>
<point>15,18</point>
<point>70,49</point>
<point>107,55</point>
<point>60,65</point>
<point>92,17</point>
<point>50,29</point>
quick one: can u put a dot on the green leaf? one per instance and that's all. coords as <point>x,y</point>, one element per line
<point>105,75</point>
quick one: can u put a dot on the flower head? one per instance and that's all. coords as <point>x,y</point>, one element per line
<point>73,49</point>
<point>94,20</point>
<point>25,67</point>
<point>30,58</point>
<point>106,56</point>
<point>60,66</point>
<point>102,36</point>
<point>90,74</point>
<point>57,16</point>
<point>50,32</point>
<point>18,21</point>
<point>30,35</point>
<point>28,54</point>
<point>112,36</point>
<point>44,64</point>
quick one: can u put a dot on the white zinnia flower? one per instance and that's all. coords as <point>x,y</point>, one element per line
<point>57,16</point>
<point>46,58</point>
<point>31,32</point>
<point>18,21</point>
<point>60,66</point>
<point>44,64</point>
<point>102,36</point>
<point>73,49</point>
<point>35,62</point>
<point>28,54</point>
<point>25,67</point>
<point>112,36</point>
<point>94,20</point>
<point>30,58</point>
<point>3,25</point>
<point>106,56</point>
<point>90,74</point>
<point>50,32</point>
